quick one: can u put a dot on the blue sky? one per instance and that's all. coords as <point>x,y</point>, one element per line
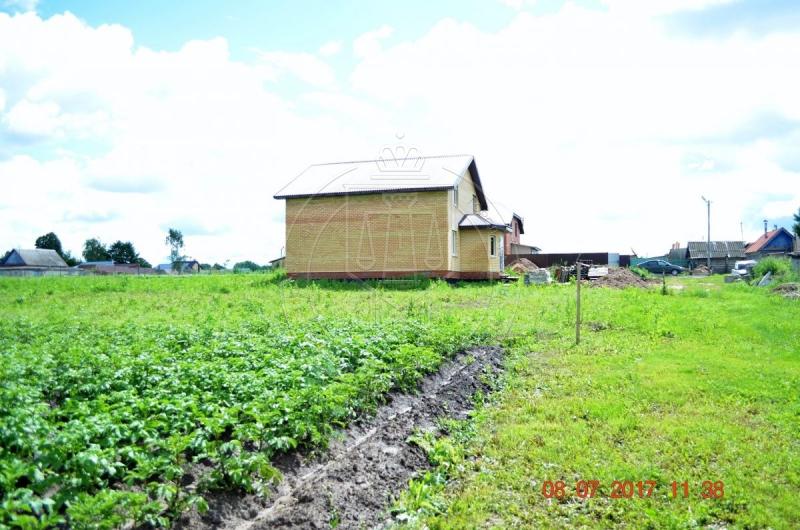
<point>192,114</point>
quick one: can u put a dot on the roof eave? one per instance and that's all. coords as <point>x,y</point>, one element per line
<point>476,181</point>
<point>361,192</point>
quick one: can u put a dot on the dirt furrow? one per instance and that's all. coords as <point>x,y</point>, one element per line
<point>354,482</point>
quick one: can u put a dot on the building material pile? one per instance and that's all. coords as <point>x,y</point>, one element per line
<point>621,278</point>
<point>537,276</point>
<point>523,265</point>
<point>700,270</point>
<point>597,272</point>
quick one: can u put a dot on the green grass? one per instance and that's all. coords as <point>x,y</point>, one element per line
<point>112,386</point>
<point>700,385</point>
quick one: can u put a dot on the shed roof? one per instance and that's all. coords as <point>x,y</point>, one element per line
<point>762,241</point>
<point>474,220</point>
<point>35,257</point>
<point>719,249</point>
<point>385,175</point>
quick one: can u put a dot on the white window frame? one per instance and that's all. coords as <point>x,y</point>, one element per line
<point>493,246</point>
<point>455,195</point>
<point>454,242</point>
<point>476,205</point>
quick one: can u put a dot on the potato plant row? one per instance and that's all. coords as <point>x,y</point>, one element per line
<point>103,425</point>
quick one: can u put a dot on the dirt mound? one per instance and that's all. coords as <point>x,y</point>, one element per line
<point>789,290</point>
<point>523,265</point>
<point>354,483</point>
<point>619,278</point>
<point>701,269</point>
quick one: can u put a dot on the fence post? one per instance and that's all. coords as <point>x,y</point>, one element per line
<point>578,302</point>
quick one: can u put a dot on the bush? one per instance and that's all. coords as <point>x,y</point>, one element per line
<point>777,266</point>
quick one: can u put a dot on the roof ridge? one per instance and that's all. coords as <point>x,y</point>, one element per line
<point>382,159</point>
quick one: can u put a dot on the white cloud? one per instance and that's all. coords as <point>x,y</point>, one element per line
<point>582,115</point>
<point>35,119</point>
<point>188,135</point>
<point>330,48</point>
<point>304,66</point>
<point>369,43</point>
<point>603,133</point>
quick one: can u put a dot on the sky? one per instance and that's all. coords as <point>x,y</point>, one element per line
<point>601,122</point>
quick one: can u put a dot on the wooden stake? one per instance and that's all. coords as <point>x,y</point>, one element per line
<point>578,302</point>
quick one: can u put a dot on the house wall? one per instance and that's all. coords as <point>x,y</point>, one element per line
<point>718,265</point>
<point>475,250</point>
<point>361,234</point>
<point>466,192</point>
<point>780,243</point>
<point>513,237</point>
<point>14,259</point>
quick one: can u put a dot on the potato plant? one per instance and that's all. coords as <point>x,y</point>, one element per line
<point>104,424</point>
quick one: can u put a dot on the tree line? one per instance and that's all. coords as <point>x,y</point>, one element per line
<point>124,252</point>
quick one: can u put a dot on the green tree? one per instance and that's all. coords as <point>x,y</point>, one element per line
<point>50,241</point>
<point>143,263</point>
<point>218,267</point>
<point>174,241</point>
<point>69,259</point>
<point>247,264</point>
<point>94,250</point>
<point>796,226</point>
<point>123,252</point>
<point>205,266</point>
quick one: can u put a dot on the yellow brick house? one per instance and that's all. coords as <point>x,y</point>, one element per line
<point>390,218</point>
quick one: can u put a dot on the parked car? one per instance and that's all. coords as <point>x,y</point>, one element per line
<point>743,268</point>
<point>659,266</point>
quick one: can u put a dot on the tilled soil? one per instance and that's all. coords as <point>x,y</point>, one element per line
<point>354,482</point>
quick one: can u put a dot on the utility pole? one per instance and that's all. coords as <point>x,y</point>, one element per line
<point>708,244</point>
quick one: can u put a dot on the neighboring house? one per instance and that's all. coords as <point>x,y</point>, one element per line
<point>724,254</point>
<point>778,241</point>
<point>181,267</point>
<point>35,257</point>
<point>390,218</point>
<point>34,262</point>
<point>513,244</point>
<point>278,263</point>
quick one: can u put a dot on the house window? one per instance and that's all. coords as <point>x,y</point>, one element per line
<point>476,206</point>
<point>455,195</point>
<point>492,246</point>
<point>454,242</point>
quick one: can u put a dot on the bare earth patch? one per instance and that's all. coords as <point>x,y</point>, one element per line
<point>355,481</point>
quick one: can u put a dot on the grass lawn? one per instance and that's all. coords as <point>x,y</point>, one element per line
<point>702,385</point>
<point>113,385</point>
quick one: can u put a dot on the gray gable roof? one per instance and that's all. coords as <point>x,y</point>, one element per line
<point>35,257</point>
<point>474,220</point>
<point>719,249</point>
<point>385,175</point>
